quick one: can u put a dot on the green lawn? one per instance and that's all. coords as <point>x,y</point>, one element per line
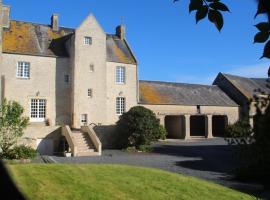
<point>55,181</point>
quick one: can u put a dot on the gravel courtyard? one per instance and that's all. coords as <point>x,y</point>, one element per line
<point>210,159</point>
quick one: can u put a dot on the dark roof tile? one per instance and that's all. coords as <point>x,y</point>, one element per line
<point>248,86</point>
<point>159,93</point>
<point>38,39</point>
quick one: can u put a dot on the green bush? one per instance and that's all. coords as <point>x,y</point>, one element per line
<point>139,126</point>
<point>145,148</point>
<point>19,152</point>
<point>240,133</point>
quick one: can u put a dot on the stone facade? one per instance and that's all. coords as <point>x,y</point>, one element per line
<point>63,81</point>
<point>64,67</point>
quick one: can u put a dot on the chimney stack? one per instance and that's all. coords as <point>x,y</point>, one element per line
<point>55,22</point>
<point>121,32</point>
<point>5,16</point>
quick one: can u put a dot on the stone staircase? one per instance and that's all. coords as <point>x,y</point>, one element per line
<point>85,147</point>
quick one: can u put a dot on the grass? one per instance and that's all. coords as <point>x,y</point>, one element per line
<point>79,182</point>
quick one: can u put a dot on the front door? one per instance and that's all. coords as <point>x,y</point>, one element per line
<point>38,110</point>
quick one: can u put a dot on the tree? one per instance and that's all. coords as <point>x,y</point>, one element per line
<point>12,124</point>
<point>214,9</point>
<point>139,126</point>
<point>256,141</point>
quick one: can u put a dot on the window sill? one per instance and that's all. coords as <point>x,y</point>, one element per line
<point>23,78</point>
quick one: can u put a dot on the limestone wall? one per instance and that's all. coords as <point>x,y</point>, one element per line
<point>85,55</point>
<point>46,81</point>
<point>128,90</point>
<point>162,110</point>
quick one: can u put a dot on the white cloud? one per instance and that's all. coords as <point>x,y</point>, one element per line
<point>255,71</point>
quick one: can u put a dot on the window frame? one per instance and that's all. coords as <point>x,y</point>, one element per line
<point>67,78</point>
<point>92,68</point>
<point>38,109</point>
<point>87,41</point>
<point>90,93</point>
<point>23,70</point>
<point>84,119</point>
<point>120,105</point>
<point>120,75</point>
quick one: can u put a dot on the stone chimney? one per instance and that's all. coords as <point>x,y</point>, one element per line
<point>55,22</point>
<point>121,32</point>
<point>5,16</point>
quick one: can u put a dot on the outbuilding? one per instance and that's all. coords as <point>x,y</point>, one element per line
<point>189,110</point>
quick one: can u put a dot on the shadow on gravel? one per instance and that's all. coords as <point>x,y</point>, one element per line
<point>214,158</point>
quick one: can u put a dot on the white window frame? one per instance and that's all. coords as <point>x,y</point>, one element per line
<point>120,105</point>
<point>90,93</point>
<point>87,40</point>
<point>84,119</point>
<point>38,110</point>
<point>120,75</point>
<point>23,70</point>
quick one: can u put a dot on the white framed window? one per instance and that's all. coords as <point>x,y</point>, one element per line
<point>66,78</point>
<point>120,75</point>
<point>37,110</point>
<point>90,93</point>
<point>92,68</point>
<point>120,105</point>
<point>87,40</point>
<point>23,69</point>
<point>84,119</point>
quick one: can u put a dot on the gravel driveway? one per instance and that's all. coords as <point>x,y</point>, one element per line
<point>210,159</point>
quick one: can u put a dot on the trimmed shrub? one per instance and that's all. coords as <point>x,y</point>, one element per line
<point>139,126</point>
<point>20,152</point>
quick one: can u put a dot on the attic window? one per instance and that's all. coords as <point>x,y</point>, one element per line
<point>87,40</point>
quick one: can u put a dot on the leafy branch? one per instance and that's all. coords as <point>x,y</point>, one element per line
<point>214,9</point>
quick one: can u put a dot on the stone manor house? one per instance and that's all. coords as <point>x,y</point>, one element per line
<point>75,83</point>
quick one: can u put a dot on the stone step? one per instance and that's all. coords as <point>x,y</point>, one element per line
<point>81,150</point>
<point>84,154</point>
<point>83,143</point>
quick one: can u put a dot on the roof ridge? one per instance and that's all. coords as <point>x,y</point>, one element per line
<point>177,83</point>
<point>36,23</point>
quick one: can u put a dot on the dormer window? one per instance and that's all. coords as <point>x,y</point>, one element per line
<point>87,40</point>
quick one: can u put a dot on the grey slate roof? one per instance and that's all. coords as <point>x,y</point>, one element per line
<point>160,93</point>
<point>118,50</point>
<point>39,39</point>
<point>248,86</point>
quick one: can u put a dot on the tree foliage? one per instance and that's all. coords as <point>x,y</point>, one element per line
<point>139,126</point>
<point>214,9</point>
<point>12,124</point>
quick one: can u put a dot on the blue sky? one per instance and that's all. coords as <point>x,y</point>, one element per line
<point>168,44</point>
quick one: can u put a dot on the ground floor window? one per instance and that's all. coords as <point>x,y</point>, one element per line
<point>120,105</point>
<point>38,110</point>
<point>84,119</point>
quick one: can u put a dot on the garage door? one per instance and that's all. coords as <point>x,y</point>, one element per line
<point>45,146</point>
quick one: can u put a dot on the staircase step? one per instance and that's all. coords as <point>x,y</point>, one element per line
<point>82,154</point>
<point>85,150</point>
<point>85,147</point>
